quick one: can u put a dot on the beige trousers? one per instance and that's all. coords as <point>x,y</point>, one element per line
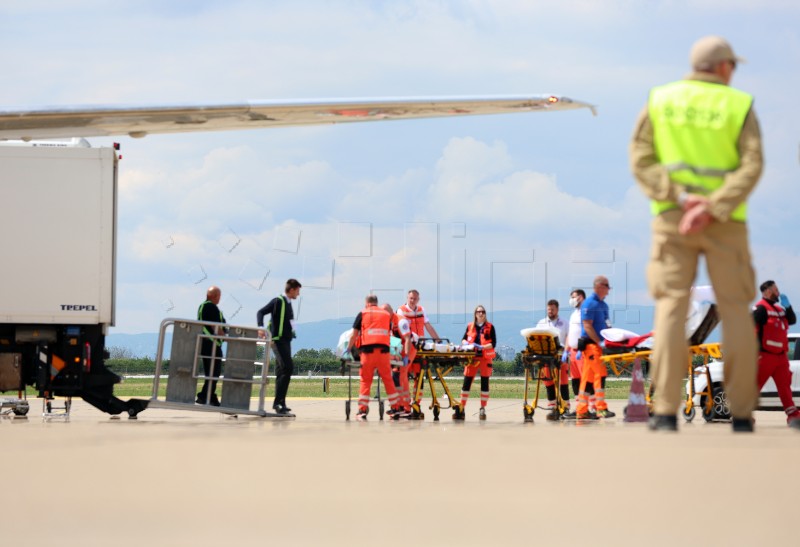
<point>670,275</point>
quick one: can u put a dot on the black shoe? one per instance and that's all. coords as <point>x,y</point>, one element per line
<point>201,399</point>
<point>280,409</point>
<point>214,401</point>
<point>663,423</point>
<point>743,425</point>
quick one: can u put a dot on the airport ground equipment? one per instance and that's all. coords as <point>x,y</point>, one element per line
<point>245,365</point>
<point>541,360</point>
<point>11,380</point>
<point>437,358</point>
<point>350,365</point>
<point>59,214</point>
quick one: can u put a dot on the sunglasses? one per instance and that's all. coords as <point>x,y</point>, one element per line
<point>480,311</point>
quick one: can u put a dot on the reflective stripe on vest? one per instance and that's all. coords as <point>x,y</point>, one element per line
<point>774,337</point>
<point>416,318</point>
<point>284,303</point>
<point>206,330</point>
<point>472,334</point>
<point>375,325</point>
<point>696,128</point>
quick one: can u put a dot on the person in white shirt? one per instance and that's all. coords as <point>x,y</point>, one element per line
<point>553,321</point>
<point>571,353</point>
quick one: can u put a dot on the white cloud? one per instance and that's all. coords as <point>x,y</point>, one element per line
<point>557,184</point>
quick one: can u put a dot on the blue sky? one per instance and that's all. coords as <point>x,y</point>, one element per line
<point>506,211</point>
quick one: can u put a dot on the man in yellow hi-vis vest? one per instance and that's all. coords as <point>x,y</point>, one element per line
<point>696,153</point>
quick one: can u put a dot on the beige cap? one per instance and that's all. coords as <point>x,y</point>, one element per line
<point>709,50</point>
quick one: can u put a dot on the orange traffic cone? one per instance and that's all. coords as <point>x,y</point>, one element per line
<point>637,411</point>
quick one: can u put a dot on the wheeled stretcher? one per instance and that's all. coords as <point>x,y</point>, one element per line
<point>350,365</point>
<point>436,359</point>
<point>541,359</point>
<point>621,354</point>
<point>715,404</point>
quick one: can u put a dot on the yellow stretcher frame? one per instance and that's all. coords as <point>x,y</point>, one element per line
<point>621,363</point>
<point>443,362</point>
<point>542,361</point>
<point>707,351</point>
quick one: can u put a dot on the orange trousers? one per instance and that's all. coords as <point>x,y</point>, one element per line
<point>369,363</point>
<point>594,370</point>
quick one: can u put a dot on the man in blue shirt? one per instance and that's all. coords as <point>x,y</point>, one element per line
<point>594,318</point>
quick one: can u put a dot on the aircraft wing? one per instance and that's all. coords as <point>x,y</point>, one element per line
<point>139,121</point>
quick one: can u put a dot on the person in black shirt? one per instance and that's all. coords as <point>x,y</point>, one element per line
<point>211,350</point>
<point>281,329</point>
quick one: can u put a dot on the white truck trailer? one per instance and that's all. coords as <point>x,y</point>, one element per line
<point>58,217</point>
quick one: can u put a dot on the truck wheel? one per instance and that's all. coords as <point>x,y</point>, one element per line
<point>21,409</point>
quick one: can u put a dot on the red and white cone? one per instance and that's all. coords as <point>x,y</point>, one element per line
<point>636,410</point>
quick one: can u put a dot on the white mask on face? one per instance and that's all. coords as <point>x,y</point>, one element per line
<point>573,301</point>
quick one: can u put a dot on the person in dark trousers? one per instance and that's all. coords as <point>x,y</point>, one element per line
<point>281,329</point>
<point>211,350</point>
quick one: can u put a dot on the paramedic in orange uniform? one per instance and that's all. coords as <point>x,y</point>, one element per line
<point>481,333</point>
<point>418,321</point>
<point>401,328</point>
<point>595,317</point>
<point>372,330</point>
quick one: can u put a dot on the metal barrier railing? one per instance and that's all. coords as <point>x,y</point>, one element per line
<point>241,367</point>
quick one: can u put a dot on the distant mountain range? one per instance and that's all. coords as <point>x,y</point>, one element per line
<point>325,334</point>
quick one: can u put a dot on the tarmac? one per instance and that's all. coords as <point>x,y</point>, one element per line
<point>175,477</point>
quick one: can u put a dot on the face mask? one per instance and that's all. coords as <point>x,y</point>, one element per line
<point>573,301</point>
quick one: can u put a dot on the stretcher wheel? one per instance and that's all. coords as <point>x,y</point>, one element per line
<point>689,413</point>
<point>708,415</point>
<point>436,413</point>
<point>380,409</point>
<point>347,410</point>
<point>527,413</point>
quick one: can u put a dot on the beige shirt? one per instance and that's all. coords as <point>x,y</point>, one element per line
<point>654,179</point>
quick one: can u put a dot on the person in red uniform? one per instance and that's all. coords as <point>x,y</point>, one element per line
<point>401,328</point>
<point>372,329</point>
<point>481,333</point>
<point>418,321</point>
<point>773,314</point>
